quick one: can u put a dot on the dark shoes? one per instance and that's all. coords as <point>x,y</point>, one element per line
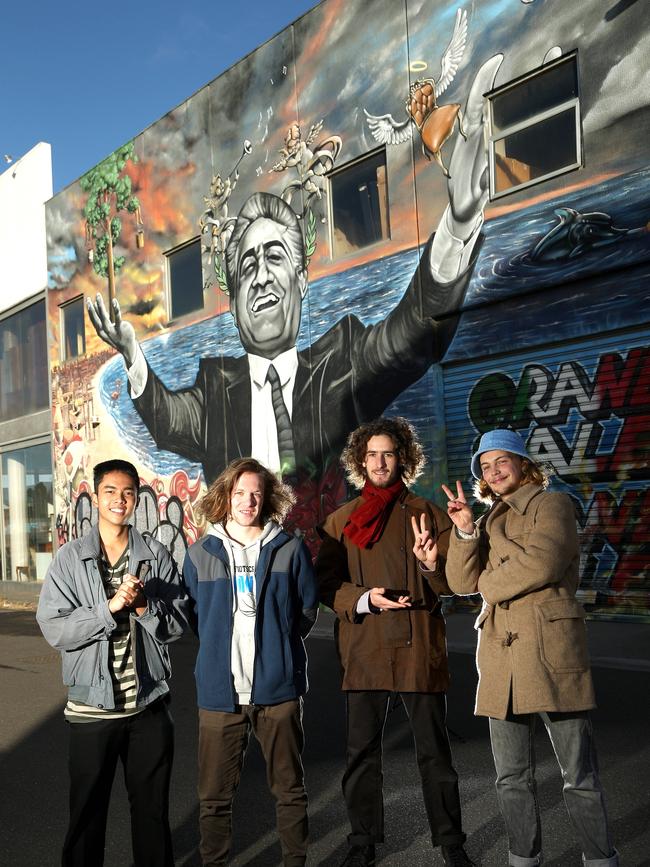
<point>364,856</point>
<point>360,856</point>
<point>456,856</point>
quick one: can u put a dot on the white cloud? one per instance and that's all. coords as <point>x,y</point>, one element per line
<point>624,89</point>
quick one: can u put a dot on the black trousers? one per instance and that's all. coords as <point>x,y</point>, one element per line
<point>363,778</point>
<point>145,745</point>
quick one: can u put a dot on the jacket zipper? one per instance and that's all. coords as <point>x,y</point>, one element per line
<point>260,587</point>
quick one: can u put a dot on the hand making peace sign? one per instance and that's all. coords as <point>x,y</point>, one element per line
<point>425,547</point>
<point>458,510</point>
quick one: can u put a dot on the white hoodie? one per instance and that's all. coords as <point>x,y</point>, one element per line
<point>243,562</point>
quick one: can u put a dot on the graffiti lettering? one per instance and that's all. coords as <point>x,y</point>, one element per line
<point>593,430</point>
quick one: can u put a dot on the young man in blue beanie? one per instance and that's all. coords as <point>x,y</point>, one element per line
<point>522,556</point>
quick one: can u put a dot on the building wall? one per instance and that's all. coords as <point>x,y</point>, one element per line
<point>27,520</point>
<point>25,186</point>
<point>553,344</point>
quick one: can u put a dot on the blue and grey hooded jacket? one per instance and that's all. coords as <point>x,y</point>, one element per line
<point>286,609</point>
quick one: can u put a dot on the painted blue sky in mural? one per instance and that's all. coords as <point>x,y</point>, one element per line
<point>58,85</point>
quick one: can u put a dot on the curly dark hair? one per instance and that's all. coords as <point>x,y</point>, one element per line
<point>405,440</point>
<point>278,497</point>
<point>536,474</point>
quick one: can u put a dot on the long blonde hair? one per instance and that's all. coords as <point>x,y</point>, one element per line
<point>278,497</point>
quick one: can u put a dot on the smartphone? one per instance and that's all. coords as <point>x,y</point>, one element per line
<point>394,595</point>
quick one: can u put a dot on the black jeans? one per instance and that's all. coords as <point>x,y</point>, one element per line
<point>363,778</point>
<point>145,744</point>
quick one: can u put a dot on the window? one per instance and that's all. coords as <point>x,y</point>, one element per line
<point>359,205</point>
<point>73,332</point>
<point>27,510</point>
<point>535,127</point>
<point>185,279</point>
<point>23,362</point>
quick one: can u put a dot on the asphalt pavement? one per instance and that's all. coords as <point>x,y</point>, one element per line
<point>33,745</point>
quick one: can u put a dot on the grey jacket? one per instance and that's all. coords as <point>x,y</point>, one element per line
<point>74,617</point>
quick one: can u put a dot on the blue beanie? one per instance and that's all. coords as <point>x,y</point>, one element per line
<point>501,439</point>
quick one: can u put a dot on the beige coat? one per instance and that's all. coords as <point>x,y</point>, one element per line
<point>402,650</point>
<point>531,632</point>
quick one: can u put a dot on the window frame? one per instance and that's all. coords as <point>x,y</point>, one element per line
<point>10,446</point>
<point>330,204</point>
<point>573,103</point>
<point>22,306</point>
<point>62,343</point>
<point>168,281</point>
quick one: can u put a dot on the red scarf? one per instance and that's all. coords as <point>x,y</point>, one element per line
<point>367,521</point>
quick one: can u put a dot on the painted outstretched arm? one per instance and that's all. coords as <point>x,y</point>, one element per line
<point>452,248</point>
<point>174,418</point>
<point>118,334</point>
<point>422,325</point>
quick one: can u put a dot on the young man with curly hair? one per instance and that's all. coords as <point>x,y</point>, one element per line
<point>254,599</point>
<point>381,573</point>
<point>523,558</point>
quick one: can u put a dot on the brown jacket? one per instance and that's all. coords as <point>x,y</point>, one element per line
<point>532,637</point>
<point>402,650</point>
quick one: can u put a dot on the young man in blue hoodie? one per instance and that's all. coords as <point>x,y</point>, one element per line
<point>255,599</point>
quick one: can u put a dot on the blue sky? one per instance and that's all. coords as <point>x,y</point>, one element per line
<point>87,77</point>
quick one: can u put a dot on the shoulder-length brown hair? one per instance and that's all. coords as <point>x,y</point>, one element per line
<point>531,472</point>
<point>410,456</point>
<point>278,497</point>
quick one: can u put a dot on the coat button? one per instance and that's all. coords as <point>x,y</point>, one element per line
<point>100,706</point>
<point>505,604</point>
<point>408,643</point>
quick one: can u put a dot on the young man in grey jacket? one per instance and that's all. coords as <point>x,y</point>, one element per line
<point>110,603</point>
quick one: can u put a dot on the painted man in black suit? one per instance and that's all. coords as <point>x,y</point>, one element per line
<point>293,410</point>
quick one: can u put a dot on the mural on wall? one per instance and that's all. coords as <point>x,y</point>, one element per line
<point>275,402</point>
<point>298,339</point>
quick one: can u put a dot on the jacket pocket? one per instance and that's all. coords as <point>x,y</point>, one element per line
<point>156,663</point>
<point>562,636</point>
<point>81,666</point>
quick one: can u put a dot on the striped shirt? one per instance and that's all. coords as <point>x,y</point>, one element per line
<point>120,654</point>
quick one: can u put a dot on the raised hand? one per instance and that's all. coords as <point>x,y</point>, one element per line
<point>468,175</point>
<point>458,510</point>
<point>119,334</point>
<point>425,547</point>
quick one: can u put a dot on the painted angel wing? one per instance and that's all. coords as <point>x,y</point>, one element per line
<point>386,130</point>
<point>453,54</point>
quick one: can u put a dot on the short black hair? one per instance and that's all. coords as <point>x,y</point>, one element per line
<point>115,466</point>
